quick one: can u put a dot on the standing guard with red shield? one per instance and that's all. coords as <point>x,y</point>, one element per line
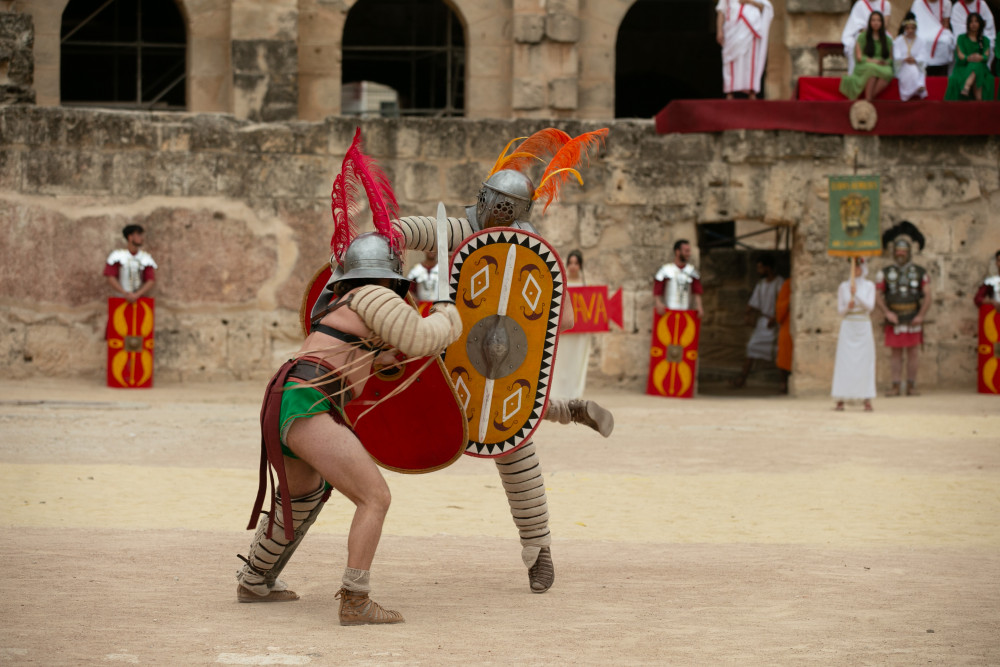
<point>131,273</point>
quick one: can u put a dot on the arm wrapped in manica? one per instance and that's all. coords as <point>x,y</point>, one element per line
<point>400,325</point>
<point>419,231</point>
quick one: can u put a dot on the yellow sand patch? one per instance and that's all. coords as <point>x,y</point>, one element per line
<point>840,505</point>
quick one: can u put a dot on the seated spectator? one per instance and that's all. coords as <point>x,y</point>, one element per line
<point>873,53</point>
<point>909,53</point>
<point>933,28</point>
<point>971,79</point>
<point>960,17</point>
<point>857,21</point>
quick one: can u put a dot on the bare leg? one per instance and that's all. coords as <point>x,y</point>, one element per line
<point>969,82</point>
<point>880,85</point>
<point>911,370</point>
<point>896,367</point>
<point>869,89</point>
<point>331,451</point>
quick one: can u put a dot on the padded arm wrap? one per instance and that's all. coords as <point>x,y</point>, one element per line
<point>420,231</point>
<point>401,326</point>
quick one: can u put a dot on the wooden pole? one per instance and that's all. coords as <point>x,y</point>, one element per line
<point>853,264</point>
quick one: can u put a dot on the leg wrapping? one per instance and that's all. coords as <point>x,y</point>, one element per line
<point>521,475</point>
<point>580,411</point>
<point>268,557</point>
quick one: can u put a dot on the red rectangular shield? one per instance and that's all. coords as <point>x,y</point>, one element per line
<point>673,355</point>
<point>989,350</point>
<point>130,343</point>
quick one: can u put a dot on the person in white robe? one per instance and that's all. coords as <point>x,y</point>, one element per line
<point>761,309</point>
<point>742,29</point>
<point>854,368</point>
<point>960,20</point>
<point>569,377</point>
<point>932,27</point>
<point>909,55</point>
<point>857,23</point>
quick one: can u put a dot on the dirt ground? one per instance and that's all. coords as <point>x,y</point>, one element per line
<point>723,530</point>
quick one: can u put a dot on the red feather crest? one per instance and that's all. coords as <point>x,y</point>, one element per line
<point>564,163</point>
<point>360,174</point>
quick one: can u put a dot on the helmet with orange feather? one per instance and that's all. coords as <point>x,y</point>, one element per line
<point>507,194</point>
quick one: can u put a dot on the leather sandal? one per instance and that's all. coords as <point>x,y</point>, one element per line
<point>359,609</point>
<point>246,595</point>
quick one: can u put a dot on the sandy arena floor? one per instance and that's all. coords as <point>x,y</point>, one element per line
<point>767,531</point>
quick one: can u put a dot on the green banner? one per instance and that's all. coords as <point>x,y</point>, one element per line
<point>854,216</point>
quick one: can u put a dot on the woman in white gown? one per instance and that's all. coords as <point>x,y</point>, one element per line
<point>854,369</point>
<point>910,54</point>
<point>569,378</point>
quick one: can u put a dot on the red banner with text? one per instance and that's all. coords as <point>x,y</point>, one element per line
<point>593,309</point>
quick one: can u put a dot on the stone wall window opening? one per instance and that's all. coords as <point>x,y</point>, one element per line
<point>666,50</point>
<point>727,254</point>
<point>125,54</point>
<point>414,47</point>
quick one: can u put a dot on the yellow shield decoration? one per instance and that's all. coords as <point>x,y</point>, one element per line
<point>508,287</point>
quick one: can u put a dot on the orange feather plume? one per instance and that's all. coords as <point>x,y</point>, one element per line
<point>540,147</point>
<point>564,164</point>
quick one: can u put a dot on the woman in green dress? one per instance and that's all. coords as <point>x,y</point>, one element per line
<point>873,54</point>
<point>971,78</point>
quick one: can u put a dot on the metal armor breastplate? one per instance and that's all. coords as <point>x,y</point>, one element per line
<point>679,290</point>
<point>904,291</point>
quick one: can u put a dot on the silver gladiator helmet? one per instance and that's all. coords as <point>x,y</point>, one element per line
<point>370,257</point>
<point>504,199</point>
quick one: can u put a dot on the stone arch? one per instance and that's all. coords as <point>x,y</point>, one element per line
<point>320,31</point>
<point>599,23</point>
<point>208,54</point>
<point>665,51</point>
<point>488,56</point>
<point>416,48</point>
<point>123,54</point>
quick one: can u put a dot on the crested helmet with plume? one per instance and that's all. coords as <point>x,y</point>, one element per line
<point>902,234</point>
<point>371,255</point>
<point>508,194</point>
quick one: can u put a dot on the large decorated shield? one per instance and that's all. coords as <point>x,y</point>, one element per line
<point>406,417</point>
<point>508,287</point>
<point>989,350</point>
<point>673,355</point>
<point>130,343</point>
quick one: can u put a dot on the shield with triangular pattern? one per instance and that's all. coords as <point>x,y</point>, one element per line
<point>508,287</point>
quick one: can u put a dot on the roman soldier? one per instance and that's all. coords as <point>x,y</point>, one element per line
<point>903,294</point>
